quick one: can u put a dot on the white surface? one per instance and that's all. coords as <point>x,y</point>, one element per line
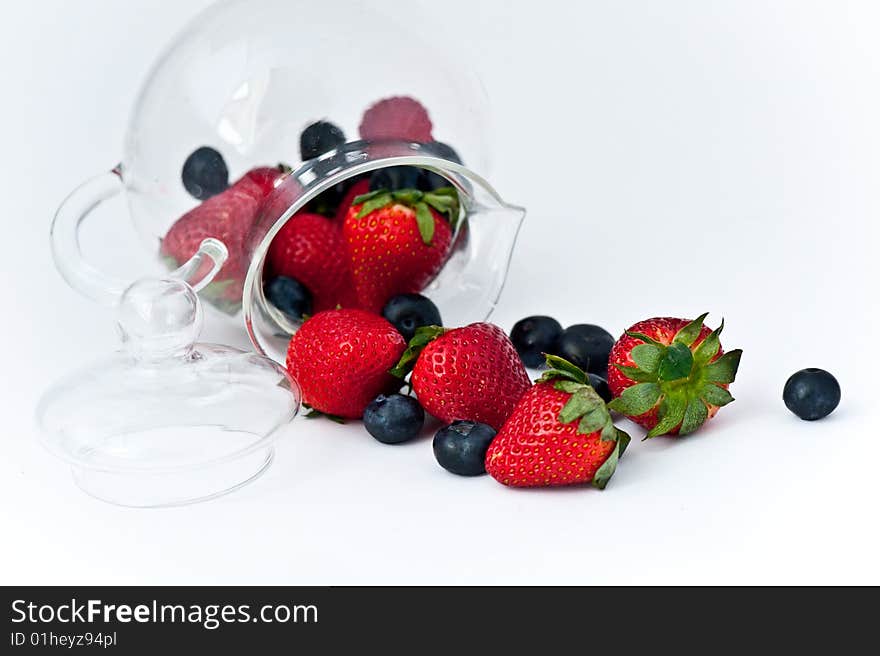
<point>675,158</point>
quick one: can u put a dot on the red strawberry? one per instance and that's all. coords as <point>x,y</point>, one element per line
<point>471,373</point>
<point>228,216</point>
<point>359,188</point>
<point>310,248</point>
<point>341,358</point>
<point>397,242</point>
<point>399,117</point>
<point>559,433</point>
<point>671,375</point>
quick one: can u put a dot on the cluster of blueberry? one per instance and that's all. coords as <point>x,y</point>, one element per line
<point>583,344</point>
<point>459,448</point>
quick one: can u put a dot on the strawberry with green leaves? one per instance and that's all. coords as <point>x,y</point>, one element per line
<point>671,375</point>
<point>398,241</point>
<point>472,373</point>
<point>559,433</point>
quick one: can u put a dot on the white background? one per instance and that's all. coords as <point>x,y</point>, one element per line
<point>675,157</point>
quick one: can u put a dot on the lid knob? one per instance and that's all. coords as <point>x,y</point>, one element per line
<point>162,317</point>
<point>159,318</point>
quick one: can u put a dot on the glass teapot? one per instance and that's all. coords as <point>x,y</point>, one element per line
<point>245,82</point>
<point>245,79</point>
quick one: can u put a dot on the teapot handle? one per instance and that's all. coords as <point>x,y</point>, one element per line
<point>100,287</point>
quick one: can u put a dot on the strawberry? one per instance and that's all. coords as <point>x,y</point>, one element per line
<point>359,188</point>
<point>559,433</point>
<point>671,375</point>
<point>397,242</point>
<point>471,373</point>
<point>310,248</point>
<point>341,358</point>
<point>399,117</point>
<point>228,216</point>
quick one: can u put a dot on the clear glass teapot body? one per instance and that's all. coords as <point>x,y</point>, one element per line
<point>245,78</point>
<point>168,420</point>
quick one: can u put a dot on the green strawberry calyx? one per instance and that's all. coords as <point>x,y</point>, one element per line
<point>682,379</point>
<point>587,408</point>
<point>444,201</point>
<point>424,335</point>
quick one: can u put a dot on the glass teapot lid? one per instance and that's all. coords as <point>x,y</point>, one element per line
<point>166,420</point>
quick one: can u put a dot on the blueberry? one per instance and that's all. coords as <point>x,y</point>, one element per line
<point>205,173</point>
<point>534,336</point>
<point>461,447</point>
<point>430,181</point>
<point>395,178</point>
<point>587,346</point>
<point>601,386</point>
<point>319,138</point>
<point>394,418</point>
<point>812,394</point>
<point>289,296</point>
<point>407,312</point>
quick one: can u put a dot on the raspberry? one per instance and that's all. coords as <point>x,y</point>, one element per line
<point>399,117</point>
